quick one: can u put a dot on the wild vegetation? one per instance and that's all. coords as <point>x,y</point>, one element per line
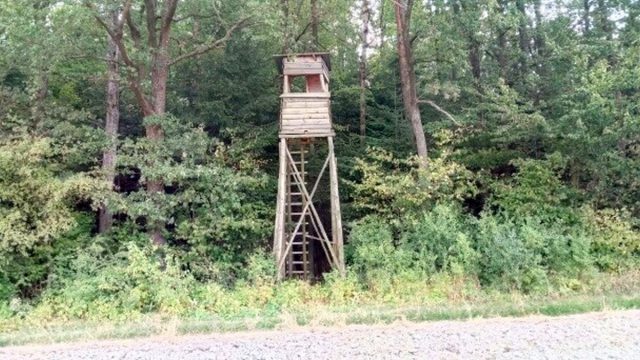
<point>486,148</point>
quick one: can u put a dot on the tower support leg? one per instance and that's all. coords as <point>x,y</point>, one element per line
<point>279,230</point>
<point>336,216</point>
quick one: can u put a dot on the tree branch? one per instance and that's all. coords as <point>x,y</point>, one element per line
<point>150,9</point>
<point>194,16</point>
<point>304,31</point>
<point>213,45</point>
<point>167,18</point>
<point>441,110</point>
<point>116,33</point>
<point>135,33</point>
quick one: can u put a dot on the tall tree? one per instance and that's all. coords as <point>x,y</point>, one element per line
<point>315,25</point>
<point>151,64</point>
<point>586,17</point>
<point>523,39</point>
<point>365,16</point>
<point>286,26</point>
<point>112,121</point>
<point>466,15</point>
<point>501,50</point>
<point>408,76</point>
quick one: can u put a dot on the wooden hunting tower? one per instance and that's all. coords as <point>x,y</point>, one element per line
<point>302,244</point>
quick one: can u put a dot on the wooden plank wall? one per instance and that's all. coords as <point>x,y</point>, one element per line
<point>306,68</point>
<point>305,115</point>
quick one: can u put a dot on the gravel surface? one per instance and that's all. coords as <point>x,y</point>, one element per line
<point>605,335</point>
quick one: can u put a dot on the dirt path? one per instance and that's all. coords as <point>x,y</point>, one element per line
<point>605,335</point>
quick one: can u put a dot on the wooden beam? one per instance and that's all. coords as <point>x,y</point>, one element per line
<point>333,259</point>
<point>312,208</point>
<point>336,216</point>
<point>278,234</point>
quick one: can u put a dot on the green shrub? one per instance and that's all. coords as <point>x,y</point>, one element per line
<point>261,269</point>
<point>615,239</point>
<point>219,210</point>
<point>7,288</point>
<point>132,282</point>
<point>441,240</point>
<point>537,191</point>
<point>523,254</point>
<point>507,259</point>
<point>394,188</point>
<point>342,290</point>
<point>372,248</point>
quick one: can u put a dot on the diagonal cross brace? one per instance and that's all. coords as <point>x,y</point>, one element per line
<point>317,223</point>
<point>309,207</point>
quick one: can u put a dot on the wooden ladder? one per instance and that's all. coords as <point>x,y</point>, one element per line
<point>299,260</point>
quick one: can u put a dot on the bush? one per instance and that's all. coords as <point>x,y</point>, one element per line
<point>217,210</point>
<point>507,258</point>
<point>132,282</point>
<point>441,241</point>
<point>394,188</point>
<point>372,248</point>
<point>523,254</point>
<point>537,191</point>
<point>261,269</point>
<point>615,239</point>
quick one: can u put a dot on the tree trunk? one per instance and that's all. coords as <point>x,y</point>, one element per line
<point>523,39</point>
<point>604,24</point>
<point>112,120</point>
<point>586,16</point>
<point>382,24</point>
<point>407,77</point>
<point>159,76</point>
<point>38,109</point>
<point>363,69</point>
<point>523,34</point>
<point>315,24</point>
<point>460,9</point>
<point>540,54</point>
<point>503,62</point>
<point>286,32</point>
<point>157,48</point>
<point>539,35</point>
<point>474,62</point>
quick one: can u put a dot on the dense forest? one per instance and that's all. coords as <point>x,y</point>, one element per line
<point>487,144</point>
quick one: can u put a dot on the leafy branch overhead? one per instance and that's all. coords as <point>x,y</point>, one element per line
<point>158,39</point>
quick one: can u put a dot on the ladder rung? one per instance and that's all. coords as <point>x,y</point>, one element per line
<point>298,233</point>
<point>296,152</point>
<point>298,252</point>
<point>299,262</point>
<point>294,203</point>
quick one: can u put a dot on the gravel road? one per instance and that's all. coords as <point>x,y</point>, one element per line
<point>605,335</point>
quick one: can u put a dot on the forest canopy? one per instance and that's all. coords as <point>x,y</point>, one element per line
<point>495,142</point>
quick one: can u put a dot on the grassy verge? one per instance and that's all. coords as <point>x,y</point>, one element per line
<point>490,306</point>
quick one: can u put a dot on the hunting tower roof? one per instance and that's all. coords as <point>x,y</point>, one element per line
<point>324,55</point>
